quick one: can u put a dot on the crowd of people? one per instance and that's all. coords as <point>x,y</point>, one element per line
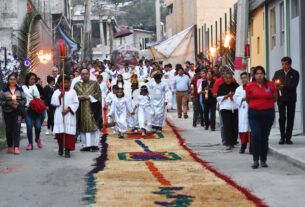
<point>138,97</point>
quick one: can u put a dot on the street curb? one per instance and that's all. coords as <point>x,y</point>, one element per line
<point>285,157</point>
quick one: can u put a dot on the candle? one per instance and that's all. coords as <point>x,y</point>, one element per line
<point>277,81</point>
<point>206,94</point>
<point>14,98</point>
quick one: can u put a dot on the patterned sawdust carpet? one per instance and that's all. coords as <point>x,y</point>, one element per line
<point>139,172</point>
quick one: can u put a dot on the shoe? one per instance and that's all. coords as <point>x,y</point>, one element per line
<point>229,147</point>
<point>159,131</point>
<point>95,149</point>
<point>194,124</point>
<point>17,152</point>
<point>39,143</point>
<point>206,128</point>
<point>47,132</point>
<point>186,116</point>
<point>136,131</point>
<point>282,141</point>
<point>60,151</point>
<point>29,147</point>
<point>202,124</point>
<point>288,141</point>
<point>143,134</point>
<point>264,164</point>
<point>120,136</point>
<point>179,117</point>
<point>243,148</point>
<point>255,165</point>
<point>85,149</point>
<point>67,153</point>
<point>113,132</point>
<point>10,150</point>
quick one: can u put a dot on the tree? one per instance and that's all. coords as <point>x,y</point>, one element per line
<point>29,42</point>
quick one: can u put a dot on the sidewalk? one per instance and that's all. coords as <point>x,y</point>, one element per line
<point>294,153</point>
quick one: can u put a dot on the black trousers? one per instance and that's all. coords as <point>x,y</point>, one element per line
<point>289,108</point>
<point>230,126</point>
<point>51,112</point>
<point>12,127</point>
<point>198,112</point>
<point>209,108</point>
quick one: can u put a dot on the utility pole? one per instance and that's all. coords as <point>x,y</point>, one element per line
<point>86,32</point>
<point>158,20</point>
<point>241,32</point>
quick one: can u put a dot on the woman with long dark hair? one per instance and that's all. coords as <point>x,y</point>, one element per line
<point>260,95</point>
<point>31,92</point>
<point>12,99</point>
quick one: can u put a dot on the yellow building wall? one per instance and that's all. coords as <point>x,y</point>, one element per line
<point>257,38</point>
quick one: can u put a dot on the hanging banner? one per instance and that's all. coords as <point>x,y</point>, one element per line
<point>238,63</point>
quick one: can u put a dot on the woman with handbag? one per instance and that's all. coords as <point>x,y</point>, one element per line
<point>12,99</point>
<point>35,112</point>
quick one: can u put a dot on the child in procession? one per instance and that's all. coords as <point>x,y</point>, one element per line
<point>160,94</point>
<point>65,101</point>
<point>243,123</point>
<point>118,112</point>
<point>145,112</point>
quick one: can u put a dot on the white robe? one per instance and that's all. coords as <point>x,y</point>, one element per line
<point>145,112</point>
<point>141,72</point>
<point>240,93</point>
<point>160,95</point>
<point>104,90</point>
<point>133,120</point>
<point>71,101</point>
<point>119,109</point>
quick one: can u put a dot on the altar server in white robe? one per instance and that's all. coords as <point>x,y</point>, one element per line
<point>160,94</point>
<point>243,124</point>
<point>145,111</point>
<point>118,112</point>
<point>104,88</point>
<point>65,131</point>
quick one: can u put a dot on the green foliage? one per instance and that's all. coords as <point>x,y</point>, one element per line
<point>29,42</point>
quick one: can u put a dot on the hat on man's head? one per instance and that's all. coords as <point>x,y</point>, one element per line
<point>187,62</point>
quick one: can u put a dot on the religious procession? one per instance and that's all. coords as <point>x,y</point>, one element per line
<point>104,105</point>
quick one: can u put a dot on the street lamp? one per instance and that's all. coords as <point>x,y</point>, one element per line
<point>212,51</point>
<point>228,38</point>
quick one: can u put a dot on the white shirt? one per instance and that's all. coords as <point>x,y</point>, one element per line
<point>30,92</point>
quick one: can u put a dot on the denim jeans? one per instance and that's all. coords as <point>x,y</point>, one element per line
<point>33,119</point>
<point>261,122</point>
